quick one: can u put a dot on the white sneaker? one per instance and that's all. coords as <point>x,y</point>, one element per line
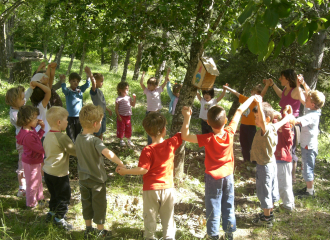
<point>21,193</point>
<point>130,144</point>
<point>122,143</point>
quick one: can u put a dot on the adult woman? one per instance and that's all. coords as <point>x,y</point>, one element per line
<point>291,95</point>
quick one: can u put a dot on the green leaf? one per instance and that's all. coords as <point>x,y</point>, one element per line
<point>247,12</point>
<point>257,43</point>
<point>267,2</point>
<point>283,9</point>
<point>310,4</point>
<point>303,35</point>
<point>246,33</point>
<point>289,38</point>
<point>271,17</point>
<point>278,48</point>
<point>271,46</point>
<point>312,26</point>
<point>234,45</point>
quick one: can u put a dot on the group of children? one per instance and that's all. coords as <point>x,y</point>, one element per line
<point>85,126</point>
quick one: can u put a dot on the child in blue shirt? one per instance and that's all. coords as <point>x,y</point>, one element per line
<point>174,95</point>
<point>74,102</point>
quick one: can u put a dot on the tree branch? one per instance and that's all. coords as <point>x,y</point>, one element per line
<point>4,16</point>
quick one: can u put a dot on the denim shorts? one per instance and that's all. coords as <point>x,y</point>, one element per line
<point>103,126</point>
<point>308,157</point>
<point>267,185</point>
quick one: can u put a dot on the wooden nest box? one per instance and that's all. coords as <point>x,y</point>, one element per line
<point>205,73</point>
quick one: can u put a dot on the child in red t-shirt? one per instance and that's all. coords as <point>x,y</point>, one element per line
<point>156,165</point>
<point>219,166</point>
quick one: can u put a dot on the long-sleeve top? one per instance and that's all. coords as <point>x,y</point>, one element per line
<point>74,98</point>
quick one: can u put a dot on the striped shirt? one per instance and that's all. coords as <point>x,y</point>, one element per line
<point>124,105</point>
<point>153,99</point>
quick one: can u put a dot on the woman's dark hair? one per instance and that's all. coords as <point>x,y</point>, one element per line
<point>37,96</point>
<point>291,76</point>
<point>209,92</point>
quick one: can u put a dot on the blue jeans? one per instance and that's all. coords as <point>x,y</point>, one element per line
<point>219,201</point>
<point>267,185</point>
<point>308,158</point>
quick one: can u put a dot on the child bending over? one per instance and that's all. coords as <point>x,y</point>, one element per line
<point>58,147</point>
<point>219,166</point>
<point>33,153</point>
<point>91,171</point>
<point>156,164</point>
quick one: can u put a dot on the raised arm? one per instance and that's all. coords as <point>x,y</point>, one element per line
<point>141,81</point>
<point>276,89</point>
<point>302,94</point>
<point>264,90</point>
<point>198,95</point>
<point>91,77</point>
<point>63,85</point>
<point>288,117</point>
<point>231,90</point>
<point>261,115</point>
<point>185,135</point>
<point>51,75</point>
<point>46,90</point>
<point>242,108</point>
<point>166,78</point>
<point>113,157</point>
<point>222,94</point>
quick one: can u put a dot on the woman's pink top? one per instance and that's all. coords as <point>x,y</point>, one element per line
<point>288,100</point>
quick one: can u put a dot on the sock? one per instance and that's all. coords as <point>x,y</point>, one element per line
<point>21,188</point>
<point>310,190</point>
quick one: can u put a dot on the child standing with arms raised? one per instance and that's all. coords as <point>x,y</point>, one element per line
<point>33,152</point>
<point>153,92</point>
<point>98,98</point>
<point>219,167</point>
<point>15,98</point>
<point>124,105</point>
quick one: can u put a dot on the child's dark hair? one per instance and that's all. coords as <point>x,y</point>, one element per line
<point>177,88</point>
<point>26,114</point>
<point>258,89</point>
<point>154,124</point>
<point>74,76</point>
<point>216,117</point>
<point>97,76</point>
<point>37,96</point>
<point>267,109</point>
<point>13,95</point>
<point>291,76</point>
<point>209,92</point>
<point>121,86</point>
<point>152,81</point>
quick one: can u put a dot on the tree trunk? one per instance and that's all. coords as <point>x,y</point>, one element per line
<point>3,51</point>
<point>128,54</point>
<point>59,54</point>
<point>138,62</point>
<point>50,57</point>
<point>114,61</point>
<point>188,91</point>
<point>70,64</point>
<point>83,56</point>
<point>159,72</point>
<point>10,38</point>
<point>45,44</point>
<point>102,56</point>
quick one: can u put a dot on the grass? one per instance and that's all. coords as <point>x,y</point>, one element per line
<point>124,211</point>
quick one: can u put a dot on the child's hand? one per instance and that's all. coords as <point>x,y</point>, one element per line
<point>120,170</point>
<point>134,96</point>
<point>62,78</point>
<point>119,118</point>
<point>52,65</point>
<point>287,109</point>
<point>143,74</point>
<point>42,66</point>
<point>33,84</point>
<point>186,111</point>
<point>109,111</point>
<point>225,87</point>
<point>300,80</point>
<point>88,71</point>
<point>257,98</point>
<point>41,123</point>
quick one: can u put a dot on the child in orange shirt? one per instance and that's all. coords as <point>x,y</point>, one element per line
<point>219,166</point>
<point>156,164</point>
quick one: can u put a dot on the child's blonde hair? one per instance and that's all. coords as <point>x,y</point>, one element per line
<point>154,124</point>
<point>90,114</point>
<point>317,98</point>
<point>152,81</point>
<point>26,114</point>
<point>13,95</point>
<point>121,86</point>
<point>258,89</point>
<point>54,114</point>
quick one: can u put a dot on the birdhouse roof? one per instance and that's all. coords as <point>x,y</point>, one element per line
<point>210,66</point>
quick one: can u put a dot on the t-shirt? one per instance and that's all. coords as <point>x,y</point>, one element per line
<point>90,159</point>
<point>98,98</point>
<point>284,144</point>
<point>248,115</point>
<point>205,106</point>
<point>219,154</point>
<point>309,128</point>
<point>42,116</point>
<point>263,146</point>
<point>158,159</point>
<point>58,148</point>
<point>13,119</point>
<point>153,99</point>
<point>124,105</point>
